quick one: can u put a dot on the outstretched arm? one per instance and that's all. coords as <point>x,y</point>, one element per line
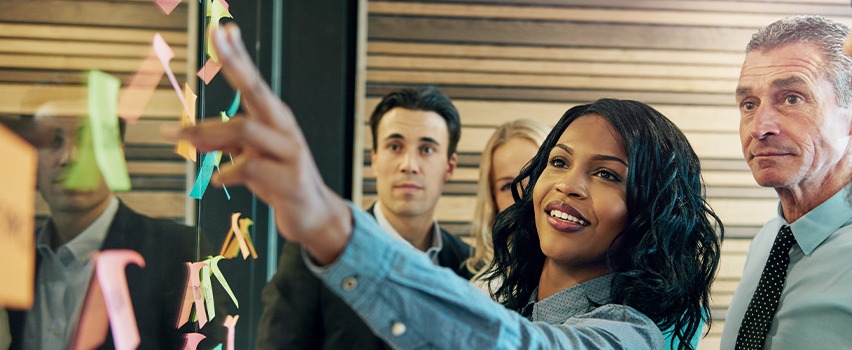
<point>401,295</point>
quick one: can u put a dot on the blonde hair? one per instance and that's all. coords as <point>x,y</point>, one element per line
<point>486,210</point>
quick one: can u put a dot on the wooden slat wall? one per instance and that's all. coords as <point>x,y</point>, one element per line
<point>49,46</point>
<point>505,59</point>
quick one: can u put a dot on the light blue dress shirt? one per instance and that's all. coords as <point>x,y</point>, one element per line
<point>815,308</point>
<point>62,282</point>
<point>412,304</point>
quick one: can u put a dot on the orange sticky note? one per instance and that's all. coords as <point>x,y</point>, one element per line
<point>93,324</point>
<point>165,54</point>
<point>238,239</point>
<point>191,340</point>
<point>17,206</point>
<point>167,5</point>
<point>209,70</point>
<point>109,269</point>
<point>231,323</point>
<point>135,96</point>
<point>184,148</point>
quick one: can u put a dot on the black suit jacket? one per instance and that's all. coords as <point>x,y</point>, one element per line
<point>300,312</point>
<point>155,290</point>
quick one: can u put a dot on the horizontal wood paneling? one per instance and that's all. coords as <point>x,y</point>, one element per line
<point>95,13</point>
<point>611,15</point>
<point>706,145</point>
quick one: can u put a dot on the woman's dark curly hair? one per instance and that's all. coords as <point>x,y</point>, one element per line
<point>668,253</point>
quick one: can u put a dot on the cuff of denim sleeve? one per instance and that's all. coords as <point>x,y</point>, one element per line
<point>364,262</point>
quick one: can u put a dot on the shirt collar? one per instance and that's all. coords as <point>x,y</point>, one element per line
<point>86,243</point>
<point>569,302</point>
<point>437,241</point>
<point>818,224</point>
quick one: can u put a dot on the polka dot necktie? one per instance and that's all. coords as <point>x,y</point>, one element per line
<point>764,303</point>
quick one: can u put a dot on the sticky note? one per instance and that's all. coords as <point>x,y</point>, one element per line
<point>235,105</point>
<point>218,10</point>
<point>191,340</point>
<point>192,295</point>
<point>231,323</point>
<point>17,206</point>
<point>83,173</point>
<point>207,289</point>
<point>218,347</point>
<point>109,269</point>
<point>103,116</point>
<point>183,147</point>
<point>165,54</point>
<point>208,71</point>
<point>214,267</point>
<point>167,5</point>
<point>238,239</point>
<point>204,174</point>
<point>135,96</point>
<point>93,324</point>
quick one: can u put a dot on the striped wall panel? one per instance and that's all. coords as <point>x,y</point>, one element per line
<point>505,59</point>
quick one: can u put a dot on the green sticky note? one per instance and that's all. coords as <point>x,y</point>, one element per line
<point>214,265</point>
<point>207,288</point>
<point>83,173</point>
<point>103,116</point>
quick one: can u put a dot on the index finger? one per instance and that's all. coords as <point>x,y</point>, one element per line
<point>242,75</point>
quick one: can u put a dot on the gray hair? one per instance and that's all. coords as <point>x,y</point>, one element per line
<point>825,33</point>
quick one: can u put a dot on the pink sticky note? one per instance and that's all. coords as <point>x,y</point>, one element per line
<point>109,268</point>
<point>208,71</point>
<point>165,54</point>
<point>193,291</point>
<point>93,324</point>
<point>230,323</point>
<point>191,340</point>
<point>167,5</point>
<point>135,96</point>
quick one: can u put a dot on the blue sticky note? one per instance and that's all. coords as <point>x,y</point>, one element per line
<point>218,347</point>
<point>234,105</point>
<point>223,186</point>
<point>204,174</point>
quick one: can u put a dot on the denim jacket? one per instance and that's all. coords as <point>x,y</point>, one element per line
<point>412,304</point>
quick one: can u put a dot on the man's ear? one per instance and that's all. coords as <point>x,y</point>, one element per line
<point>373,161</point>
<point>452,163</point>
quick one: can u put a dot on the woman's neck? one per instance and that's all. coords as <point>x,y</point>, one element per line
<point>557,277</point>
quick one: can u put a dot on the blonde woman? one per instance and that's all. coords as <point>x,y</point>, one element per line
<point>508,150</point>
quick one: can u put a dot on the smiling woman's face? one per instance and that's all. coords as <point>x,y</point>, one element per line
<point>580,198</point>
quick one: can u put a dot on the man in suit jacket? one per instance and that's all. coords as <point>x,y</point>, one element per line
<point>84,222</point>
<point>415,133</point>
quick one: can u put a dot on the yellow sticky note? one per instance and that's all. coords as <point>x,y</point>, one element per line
<point>184,148</point>
<point>218,10</point>
<point>17,206</point>
<point>103,116</point>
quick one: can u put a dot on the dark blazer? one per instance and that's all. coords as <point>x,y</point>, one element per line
<point>300,312</point>
<point>155,290</point>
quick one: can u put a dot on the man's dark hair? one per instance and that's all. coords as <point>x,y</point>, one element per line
<point>427,98</point>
